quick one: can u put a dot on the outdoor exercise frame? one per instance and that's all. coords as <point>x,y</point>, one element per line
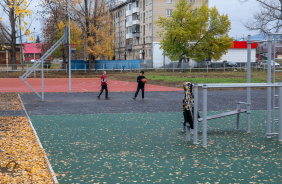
<point>247,85</point>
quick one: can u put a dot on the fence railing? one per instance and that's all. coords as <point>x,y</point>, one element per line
<point>123,67</point>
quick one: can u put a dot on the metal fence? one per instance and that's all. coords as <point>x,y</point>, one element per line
<point>129,66</point>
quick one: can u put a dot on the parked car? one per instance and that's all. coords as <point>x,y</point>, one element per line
<point>32,61</point>
<point>47,63</point>
<point>229,64</point>
<point>264,64</point>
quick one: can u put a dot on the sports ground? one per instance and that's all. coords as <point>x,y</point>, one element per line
<point>141,141</point>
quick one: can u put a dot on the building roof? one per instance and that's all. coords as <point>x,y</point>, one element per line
<point>243,45</point>
<point>29,48</point>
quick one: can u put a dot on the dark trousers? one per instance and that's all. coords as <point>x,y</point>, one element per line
<point>138,89</point>
<point>104,87</point>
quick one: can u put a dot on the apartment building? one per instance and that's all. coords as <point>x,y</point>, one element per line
<point>135,34</point>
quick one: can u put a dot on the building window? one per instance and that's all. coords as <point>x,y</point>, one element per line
<point>150,13</point>
<point>150,1</point>
<point>150,26</point>
<point>169,1</point>
<point>168,12</point>
<point>146,27</point>
<point>129,6</point>
<point>146,14</point>
<point>192,1</point>
<point>150,52</point>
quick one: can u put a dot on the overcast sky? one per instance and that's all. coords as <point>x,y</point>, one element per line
<point>238,13</point>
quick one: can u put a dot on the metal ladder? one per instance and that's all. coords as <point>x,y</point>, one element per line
<point>63,39</point>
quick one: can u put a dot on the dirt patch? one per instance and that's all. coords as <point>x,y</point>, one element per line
<point>22,159</point>
<point>10,101</point>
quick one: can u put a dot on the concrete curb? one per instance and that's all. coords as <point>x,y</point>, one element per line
<point>54,178</point>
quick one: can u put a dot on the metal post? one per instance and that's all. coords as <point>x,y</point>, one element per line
<point>34,55</point>
<point>238,115</point>
<point>196,114</point>
<point>42,77</point>
<point>205,107</point>
<point>269,45</point>
<point>280,111</point>
<point>69,48</point>
<point>249,89</point>
<point>273,94</point>
<point>187,132</point>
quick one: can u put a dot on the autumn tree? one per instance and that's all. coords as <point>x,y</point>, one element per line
<point>199,34</point>
<point>54,12</point>
<point>95,20</point>
<point>14,11</point>
<point>267,18</point>
<point>75,38</point>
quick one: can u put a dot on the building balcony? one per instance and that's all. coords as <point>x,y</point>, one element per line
<point>135,10</point>
<point>128,12</point>
<point>135,22</point>
<point>129,24</point>
<point>129,35</point>
<point>136,35</point>
<point>129,47</point>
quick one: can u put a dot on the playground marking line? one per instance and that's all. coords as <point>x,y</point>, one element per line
<point>49,166</point>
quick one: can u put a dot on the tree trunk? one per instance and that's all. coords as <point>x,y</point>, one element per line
<point>64,58</point>
<point>13,39</point>
<point>179,63</point>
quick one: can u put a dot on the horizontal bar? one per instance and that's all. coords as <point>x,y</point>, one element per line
<point>274,133</point>
<point>239,85</point>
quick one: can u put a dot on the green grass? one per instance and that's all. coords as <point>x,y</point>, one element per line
<point>220,79</point>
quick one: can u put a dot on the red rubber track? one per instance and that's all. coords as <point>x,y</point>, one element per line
<point>78,85</point>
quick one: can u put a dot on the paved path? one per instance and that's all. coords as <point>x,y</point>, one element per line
<point>78,85</point>
<point>87,103</point>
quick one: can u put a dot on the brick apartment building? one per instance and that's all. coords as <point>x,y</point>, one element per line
<point>135,34</point>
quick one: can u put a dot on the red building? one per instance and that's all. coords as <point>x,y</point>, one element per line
<point>30,49</point>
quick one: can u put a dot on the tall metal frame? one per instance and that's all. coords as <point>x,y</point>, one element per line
<point>269,85</point>
<point>63,39</point>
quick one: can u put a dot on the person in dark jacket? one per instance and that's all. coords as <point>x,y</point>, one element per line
<point>141,85</point>
<point>104,85</point>
<point>188,105</point>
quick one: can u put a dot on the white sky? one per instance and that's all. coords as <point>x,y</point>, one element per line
<point>238,13</point>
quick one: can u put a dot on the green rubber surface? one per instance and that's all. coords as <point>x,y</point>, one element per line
<point>151,148</point>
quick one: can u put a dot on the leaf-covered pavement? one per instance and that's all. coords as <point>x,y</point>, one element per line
<point>150,148</point>
<point>21,158</point>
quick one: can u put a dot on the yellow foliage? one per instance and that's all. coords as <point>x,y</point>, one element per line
<point>76,33</point>
<point>21,153</point>
<point>99,44</point>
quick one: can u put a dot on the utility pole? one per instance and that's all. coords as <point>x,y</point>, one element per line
<point>69,48</point>
<point>34,52</point>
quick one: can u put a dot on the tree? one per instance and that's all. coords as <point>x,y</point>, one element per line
<point>14,10</point>
<point>198,34</point>
<point>268,18</point>
<point>37,39</point>
<point>95,20</point>
<point>54,12</point>
<point>75,38</point>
